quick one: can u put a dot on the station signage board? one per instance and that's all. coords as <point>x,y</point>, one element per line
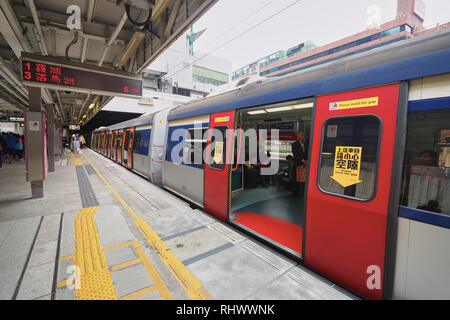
<point>74,127</point>
<point>49,72</point>
<point>15,119</point>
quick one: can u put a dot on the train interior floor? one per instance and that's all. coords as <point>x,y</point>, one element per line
<point>275,214</point>
<point>104,232</point>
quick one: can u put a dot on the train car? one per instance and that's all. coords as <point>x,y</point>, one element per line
<point>371,134</point>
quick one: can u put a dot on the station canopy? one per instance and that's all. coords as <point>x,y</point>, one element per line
<point>104,36</point>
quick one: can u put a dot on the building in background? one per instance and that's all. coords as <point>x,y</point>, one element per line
<point>263,63</point>
<point>407,24</point>
<point>182,71</point>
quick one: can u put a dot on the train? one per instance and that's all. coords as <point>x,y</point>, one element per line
<point>372,212</point>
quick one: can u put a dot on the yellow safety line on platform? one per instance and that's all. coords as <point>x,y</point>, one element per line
<point>95,281</point>
<point>157,280</point>
<point>138,294</point>
<point>65,258</point>
<point>64,283</point>
<point>125,265</point>
<point>189,282</point>
<point>121,245</point>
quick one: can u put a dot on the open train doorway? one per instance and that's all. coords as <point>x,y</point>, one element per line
<point>270,203</point>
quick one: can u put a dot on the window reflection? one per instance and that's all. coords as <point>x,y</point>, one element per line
<point>426,176</point>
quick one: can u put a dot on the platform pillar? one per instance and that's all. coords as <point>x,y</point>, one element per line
<point>50,137</point>
<point>34,144</point>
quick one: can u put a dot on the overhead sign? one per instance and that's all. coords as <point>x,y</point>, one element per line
<point>49,72</point>
<point>16,119</point>
<point>352,104</point>
<point>74,127</point>
<point>347,165</point>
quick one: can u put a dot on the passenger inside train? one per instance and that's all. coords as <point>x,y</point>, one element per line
<point>272,205</point>
<point>426,174</point>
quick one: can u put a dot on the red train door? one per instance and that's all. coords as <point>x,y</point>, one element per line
<point>120,147</point>
<point>109,144</point>
<point>125,143</point>
<point>217,166</point>
<point>349,187</point>
<point>115,145</point>
<point>130,148</point>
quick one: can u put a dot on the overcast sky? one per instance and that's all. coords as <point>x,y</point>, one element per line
<point>321,21</point>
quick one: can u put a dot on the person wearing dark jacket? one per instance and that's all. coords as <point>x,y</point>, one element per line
<point>300,150</point>
<point>300,153</point>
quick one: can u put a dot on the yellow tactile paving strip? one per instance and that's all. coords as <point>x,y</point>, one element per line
<point>95,281</point>
<point>189,282</point>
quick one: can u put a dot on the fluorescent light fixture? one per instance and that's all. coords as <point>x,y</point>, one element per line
<point>304,105</point>
<point>279,109</point>
<point>256,112</point>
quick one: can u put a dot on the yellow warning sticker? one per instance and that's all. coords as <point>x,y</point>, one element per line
<point>218,152</point>
<point>221,119</point>
<point>347,165</point>
<point>351,104</point>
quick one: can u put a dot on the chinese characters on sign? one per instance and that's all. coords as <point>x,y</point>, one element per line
<point>347,165</point>
<point>52,75</point>
<point>41,72</point>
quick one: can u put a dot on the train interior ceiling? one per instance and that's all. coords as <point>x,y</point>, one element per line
<point>271,206</point>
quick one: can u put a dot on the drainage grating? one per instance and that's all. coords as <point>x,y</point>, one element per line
<point>89,169</point>
<point>87,194</point>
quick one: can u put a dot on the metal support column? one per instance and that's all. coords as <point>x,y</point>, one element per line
<point>50,137</point>
<point>34,127</point>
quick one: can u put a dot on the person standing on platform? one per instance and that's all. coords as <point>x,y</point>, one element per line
<point>11,142</point>
<point>300,153</point>
<point>76,145</point>
<point>82,141</point>
<point>19,147</point>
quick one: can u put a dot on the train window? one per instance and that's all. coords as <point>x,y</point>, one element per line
<point>194,145</point>
<point>426,172</point>
<point>127,138</point>
<point>137,141</point>
<point>349,156</point>
<point>218,148</point>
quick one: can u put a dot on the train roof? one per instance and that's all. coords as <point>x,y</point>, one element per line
<point>408,59</point>
<point>144,119</point>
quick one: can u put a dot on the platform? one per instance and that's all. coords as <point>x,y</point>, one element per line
<point>132,240</point>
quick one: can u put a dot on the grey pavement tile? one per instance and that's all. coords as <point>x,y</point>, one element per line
<point>64,293</point>
<point>231,274</point>
<point>120,255</point>
<point>169,221</point>
<point>131,279</point>
<point>195,243</point>
<point>37,282</point>
<point>43,253</point>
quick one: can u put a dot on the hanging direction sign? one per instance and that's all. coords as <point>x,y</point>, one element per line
<point>55,73</point>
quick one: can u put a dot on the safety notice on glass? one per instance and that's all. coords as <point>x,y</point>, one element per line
<point>347,165</point>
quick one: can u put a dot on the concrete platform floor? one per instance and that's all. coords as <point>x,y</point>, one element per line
<point>104,232</point>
